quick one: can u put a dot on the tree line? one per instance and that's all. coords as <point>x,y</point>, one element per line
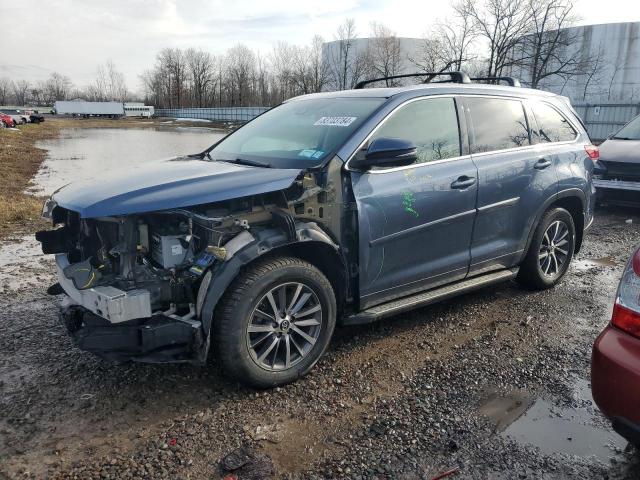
<point>486,38</point>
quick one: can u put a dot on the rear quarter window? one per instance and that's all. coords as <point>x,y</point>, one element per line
<point>498,124</point>
<point>552,125</point>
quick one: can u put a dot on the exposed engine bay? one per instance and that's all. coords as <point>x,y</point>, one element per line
<point>148,274</point>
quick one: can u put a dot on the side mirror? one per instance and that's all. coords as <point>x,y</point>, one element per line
<point>387,152</point>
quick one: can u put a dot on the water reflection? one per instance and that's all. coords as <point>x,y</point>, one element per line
<point>85,153</point>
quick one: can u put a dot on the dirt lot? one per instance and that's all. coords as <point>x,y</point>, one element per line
<point>455,386</point>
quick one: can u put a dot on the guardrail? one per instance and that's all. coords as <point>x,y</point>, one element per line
<point>602,119</point>
<point>227,114</point>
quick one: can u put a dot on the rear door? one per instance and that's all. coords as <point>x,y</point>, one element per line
<point>515,178</point>
<point>415,222</point>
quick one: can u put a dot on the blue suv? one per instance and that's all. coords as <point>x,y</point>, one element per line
<point>343,207</point>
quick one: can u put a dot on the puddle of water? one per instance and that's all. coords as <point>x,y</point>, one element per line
<point>584,264</point>
<point>555,429</point>
<point>85,153</point>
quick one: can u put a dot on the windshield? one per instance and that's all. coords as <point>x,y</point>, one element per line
<point>297,134</point>
<point>631,131</point>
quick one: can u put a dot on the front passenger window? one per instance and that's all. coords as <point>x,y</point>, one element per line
<point>431,124</point>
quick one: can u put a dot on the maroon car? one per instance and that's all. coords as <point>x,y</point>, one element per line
<point>615,364</point>
<point>6,120</point>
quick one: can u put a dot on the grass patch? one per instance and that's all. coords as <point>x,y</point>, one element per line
<point>19,161</point>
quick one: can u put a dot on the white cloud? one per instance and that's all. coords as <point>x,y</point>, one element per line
<point>73,36</point>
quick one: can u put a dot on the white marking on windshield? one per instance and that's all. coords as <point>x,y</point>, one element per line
<point>335,121</point>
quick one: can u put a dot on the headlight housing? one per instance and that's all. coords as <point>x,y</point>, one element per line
<point>47,208</point>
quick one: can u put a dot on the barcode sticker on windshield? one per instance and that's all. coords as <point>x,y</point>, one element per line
<point>335,121</point>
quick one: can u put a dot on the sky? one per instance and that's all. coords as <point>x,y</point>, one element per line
<point>74,36</point>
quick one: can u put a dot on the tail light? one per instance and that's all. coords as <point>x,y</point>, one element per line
<point>593,152</point>
<point>626,311</point>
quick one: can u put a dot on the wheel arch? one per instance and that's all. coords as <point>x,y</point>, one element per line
<point>310,243</point>
<point>574,201</point>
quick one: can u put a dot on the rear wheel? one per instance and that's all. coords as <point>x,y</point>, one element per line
<point>274,322</point>
<point>550,252</point>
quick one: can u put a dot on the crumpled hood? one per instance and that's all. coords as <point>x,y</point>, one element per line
<point>626,151</point>
<point>163,185</point>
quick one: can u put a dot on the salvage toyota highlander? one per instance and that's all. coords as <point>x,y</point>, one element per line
<point>347,206</point>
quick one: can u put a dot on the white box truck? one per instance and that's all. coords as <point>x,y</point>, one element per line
<point>89,109</point>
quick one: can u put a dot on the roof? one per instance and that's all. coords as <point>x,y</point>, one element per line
<point>428,89</point>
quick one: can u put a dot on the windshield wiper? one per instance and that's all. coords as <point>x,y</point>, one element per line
<point>245,161</point>
<point>624,138</point>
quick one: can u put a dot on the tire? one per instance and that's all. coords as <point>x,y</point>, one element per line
<point>539,271</point>
<point>258,358</point>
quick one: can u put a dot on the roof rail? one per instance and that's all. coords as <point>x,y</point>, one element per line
<point>456,77</point>
<point>512,82</point>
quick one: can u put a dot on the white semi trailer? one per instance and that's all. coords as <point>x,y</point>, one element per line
<point>89,109</point>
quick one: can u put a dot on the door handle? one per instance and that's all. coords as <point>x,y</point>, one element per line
<point>463,182</point>
<point>542,164</point>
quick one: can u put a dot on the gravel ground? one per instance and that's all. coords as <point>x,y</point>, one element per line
<point>442,389</point>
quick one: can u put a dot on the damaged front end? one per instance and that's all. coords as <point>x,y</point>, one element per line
<point>136,285</point>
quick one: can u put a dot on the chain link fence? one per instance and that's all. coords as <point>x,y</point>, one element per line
<point>602,119</point>
<point>230,114</point>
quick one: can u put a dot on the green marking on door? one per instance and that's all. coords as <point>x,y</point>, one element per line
<point>408,202</point>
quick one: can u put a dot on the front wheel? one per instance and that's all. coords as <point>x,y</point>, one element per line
<point>550,252</point>
<point>274,322</point>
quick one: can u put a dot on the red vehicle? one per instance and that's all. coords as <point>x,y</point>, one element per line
<point>7,120</point>
<point>615,364</point>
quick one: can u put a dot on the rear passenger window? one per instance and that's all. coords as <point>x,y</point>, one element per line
<point>431,124</point>
<point>552,126</point>
<point>498,124</point>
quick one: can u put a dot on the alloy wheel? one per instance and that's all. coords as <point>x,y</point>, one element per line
<point>554,249</point>
<point>284,326</point>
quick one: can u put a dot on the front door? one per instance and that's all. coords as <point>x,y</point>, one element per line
<point>415,222</point>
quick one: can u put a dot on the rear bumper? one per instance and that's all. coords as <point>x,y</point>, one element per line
<point>618,192</point>
<point>615,380</point>
<point>616,185</point>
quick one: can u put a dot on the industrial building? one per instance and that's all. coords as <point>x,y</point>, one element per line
<point>333,53</point>
<point>610,58</point>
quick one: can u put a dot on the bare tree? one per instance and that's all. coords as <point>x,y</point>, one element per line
<point>502,23</point>
<point>547,49</point>
<point>431,57</point>
<point>152,86</point>
<point>57,87</point>
<point>309,73</point>
<point>342,60</point>
<point>282,61</point>
<point>616,67</point>
<point>241,72</point>
<point>385,53</point>
<point>318,70</point>
<point>456,36</point>
<point>5,90</point>
<point>20,90</point>
<point>201,66</point>
<point>592,71</point>
<point>109,84</point>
